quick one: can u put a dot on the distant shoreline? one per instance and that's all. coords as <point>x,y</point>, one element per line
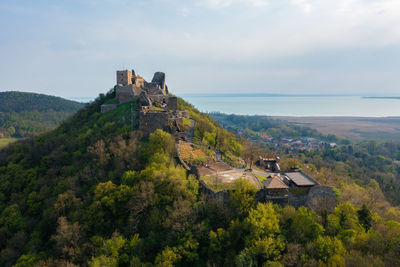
<point>281,95</point>
<point>263,95</point>
<point>382,97</point>
<point>351,127</point>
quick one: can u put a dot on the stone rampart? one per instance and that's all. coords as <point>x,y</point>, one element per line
<point>159,100</point>
<point>127,93</point>
<point>153,120</point>
<point>172,103</point>
<point>317,198</point>
<point>223,195</point>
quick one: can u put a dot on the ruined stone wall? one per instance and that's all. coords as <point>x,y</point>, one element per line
<point>183,114</point>
<point>159,79</point>
<point>318,198</point>
<point>297,200</point>
<point>172,103</point>
<point>139,82</point>
<point>124,77</point>
<point>126,93</point>
<point>208,192</point>
<point>135,114</point>
<point>151,121</point>
<point>158,99</point>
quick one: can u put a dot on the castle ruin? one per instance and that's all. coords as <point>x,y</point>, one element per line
<point>157,109</point>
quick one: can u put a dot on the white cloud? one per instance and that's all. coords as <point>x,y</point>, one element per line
<point>305,5</point>
<point>184,34</point>
<point>216,4</point>
<point>258,3</point>
<point>184,12</point>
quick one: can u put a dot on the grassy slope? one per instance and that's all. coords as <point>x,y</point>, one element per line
<point>5,141</point>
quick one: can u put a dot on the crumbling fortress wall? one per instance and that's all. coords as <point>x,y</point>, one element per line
<point>150,121</point>
<point>156,108</point>
<point>316,197</point>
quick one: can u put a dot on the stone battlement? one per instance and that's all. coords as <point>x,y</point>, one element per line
<point>157,110</point>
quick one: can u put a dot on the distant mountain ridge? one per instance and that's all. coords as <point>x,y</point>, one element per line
<point>23,114</point>
<point>14,101</point>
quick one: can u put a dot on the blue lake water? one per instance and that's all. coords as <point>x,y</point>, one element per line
<point>296,105</point>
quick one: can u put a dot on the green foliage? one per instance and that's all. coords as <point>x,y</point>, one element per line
<point>327,249</point>
<point>365,217</point>
<point>209,134</point>
<point>94,192</point>
<point>264,125</point>
<point>301,226</point>
<point>5,141</point>
<point>214,183</point>
<point>161,142</point>
<point>109,252</point>
<point>26,114</point>
<point>261,222</point>
<point>242,196</point>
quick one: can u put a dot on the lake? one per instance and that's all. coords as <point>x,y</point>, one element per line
<point>296,105</point>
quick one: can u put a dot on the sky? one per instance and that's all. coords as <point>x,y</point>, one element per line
<point>73,48</point>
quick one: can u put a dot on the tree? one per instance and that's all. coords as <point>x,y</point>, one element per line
<point>290,163</point>
<point>326,249</point>
<point>67,239</point>
<point>161,142</point>
<point>109,252</point>
<point>365,217</point>
<point>242,196</point>
<point>251,153</point>
<point>262,221</point>
<point>301,226</point>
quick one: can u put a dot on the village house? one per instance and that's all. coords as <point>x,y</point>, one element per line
<point>275,187</point>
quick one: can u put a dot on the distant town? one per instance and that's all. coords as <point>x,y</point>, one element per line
<point>298,144</point>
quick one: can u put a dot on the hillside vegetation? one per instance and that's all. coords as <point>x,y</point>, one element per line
<point>26,114</point>
<point>364,162</point>
<point>95,192</point>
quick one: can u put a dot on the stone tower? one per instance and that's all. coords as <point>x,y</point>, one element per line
<point>124,77</point>
<point>159,79</point>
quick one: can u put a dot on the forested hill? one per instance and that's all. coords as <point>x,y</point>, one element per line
<point>24,114</point>
<point>96,192</point>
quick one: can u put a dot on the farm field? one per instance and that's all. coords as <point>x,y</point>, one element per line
<point>354,128</point>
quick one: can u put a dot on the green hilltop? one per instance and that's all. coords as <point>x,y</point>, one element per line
<point>96,191</point>
<point>25,114</point>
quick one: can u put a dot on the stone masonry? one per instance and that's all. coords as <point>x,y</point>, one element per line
<point>157,109</point>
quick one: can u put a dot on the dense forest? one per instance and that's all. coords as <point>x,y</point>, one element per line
<point>95,192</point>
<point>26,114</point>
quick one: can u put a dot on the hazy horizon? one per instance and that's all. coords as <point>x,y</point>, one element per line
<point>73,48</point>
